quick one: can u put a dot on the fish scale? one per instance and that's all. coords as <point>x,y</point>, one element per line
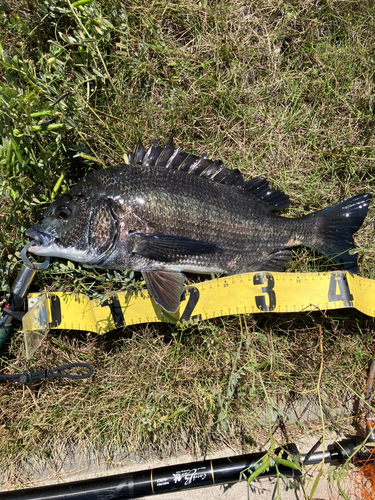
<point>218,223</point>
<point>169,212</point>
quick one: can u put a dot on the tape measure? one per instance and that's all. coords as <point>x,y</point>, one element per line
<point>240,294</point>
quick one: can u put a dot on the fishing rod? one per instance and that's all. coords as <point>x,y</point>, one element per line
<point>286,461</point>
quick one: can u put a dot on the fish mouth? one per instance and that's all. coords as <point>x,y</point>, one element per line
<point>41,241</point>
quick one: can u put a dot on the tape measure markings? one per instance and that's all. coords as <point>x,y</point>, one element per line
<point>239,294</point>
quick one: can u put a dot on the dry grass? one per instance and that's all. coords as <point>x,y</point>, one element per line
<point>278,89</point>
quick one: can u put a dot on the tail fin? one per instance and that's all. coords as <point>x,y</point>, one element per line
<point>340,222</point>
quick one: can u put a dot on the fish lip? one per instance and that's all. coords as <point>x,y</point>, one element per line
<point>41,239</point>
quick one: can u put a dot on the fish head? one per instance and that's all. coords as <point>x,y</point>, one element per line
<point>77,228</point>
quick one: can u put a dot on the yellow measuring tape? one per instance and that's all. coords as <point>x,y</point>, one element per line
<point>240,294</point>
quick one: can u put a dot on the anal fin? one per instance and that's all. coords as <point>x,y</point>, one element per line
<point>276,261</point>
<point>165,287</point>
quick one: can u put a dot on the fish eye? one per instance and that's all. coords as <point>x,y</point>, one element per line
<point>63,212</point>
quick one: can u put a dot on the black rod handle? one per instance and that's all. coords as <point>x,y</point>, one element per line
<point>153,481</point>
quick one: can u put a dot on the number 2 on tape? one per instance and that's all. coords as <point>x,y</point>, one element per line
<point>190,306</point>
<point>260,300</point>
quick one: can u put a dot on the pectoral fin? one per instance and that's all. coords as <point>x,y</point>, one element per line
<point>167,247</point>
<point>165,287</point>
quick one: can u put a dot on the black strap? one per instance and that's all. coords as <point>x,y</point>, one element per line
<point>13,306</point>
<point>27,377</point>
<point>18,315</point>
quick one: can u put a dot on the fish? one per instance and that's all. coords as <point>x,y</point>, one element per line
<point>166,212</point>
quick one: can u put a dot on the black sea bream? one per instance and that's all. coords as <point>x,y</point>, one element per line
<point>166,212</point>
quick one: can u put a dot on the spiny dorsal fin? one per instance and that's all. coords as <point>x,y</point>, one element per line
<point>139,153</point>
<point>202,166</point>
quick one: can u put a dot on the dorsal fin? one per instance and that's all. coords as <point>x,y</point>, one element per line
<point>139,153</point>
<point>202,166</point>
<point>261,189</point>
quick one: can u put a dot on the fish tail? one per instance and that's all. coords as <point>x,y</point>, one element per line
<point>337,226</point>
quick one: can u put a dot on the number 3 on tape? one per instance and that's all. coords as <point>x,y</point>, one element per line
<point>260,300</point>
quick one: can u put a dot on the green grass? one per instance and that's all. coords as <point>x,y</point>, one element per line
<point>278,89</point>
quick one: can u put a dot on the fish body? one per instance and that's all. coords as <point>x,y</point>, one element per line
<point>166,212</point>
